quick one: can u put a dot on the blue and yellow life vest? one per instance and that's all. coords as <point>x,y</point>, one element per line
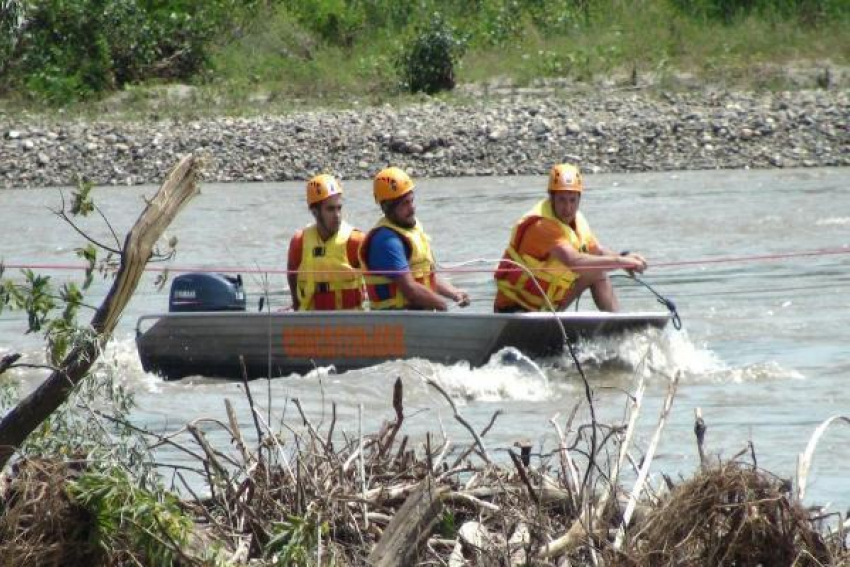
<point>417,247</point>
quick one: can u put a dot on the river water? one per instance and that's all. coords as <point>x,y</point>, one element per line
<point>763,351</point>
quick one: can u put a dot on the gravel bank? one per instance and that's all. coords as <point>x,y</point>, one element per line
<point>521,134</point>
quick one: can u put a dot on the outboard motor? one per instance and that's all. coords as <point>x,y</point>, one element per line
<point>206,292</point>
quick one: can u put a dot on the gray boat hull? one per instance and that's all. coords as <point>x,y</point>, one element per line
<point>233,344</point>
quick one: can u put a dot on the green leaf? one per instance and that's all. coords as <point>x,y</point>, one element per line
<point>81,202</point>
<point>89,254</point>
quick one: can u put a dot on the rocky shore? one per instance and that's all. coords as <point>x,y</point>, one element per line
<point>520,133</point>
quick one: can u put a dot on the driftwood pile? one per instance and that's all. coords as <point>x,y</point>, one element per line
<point>305,496</point>
<point>732,514</point>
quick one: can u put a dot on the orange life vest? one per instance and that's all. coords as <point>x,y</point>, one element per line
<point>417,246</point>
<point>552,276</point>
<point>326,279</point>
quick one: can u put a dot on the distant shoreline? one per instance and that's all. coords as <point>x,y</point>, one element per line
<point>606,131</point>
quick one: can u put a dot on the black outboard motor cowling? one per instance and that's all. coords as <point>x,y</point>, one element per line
<point>206,292</point>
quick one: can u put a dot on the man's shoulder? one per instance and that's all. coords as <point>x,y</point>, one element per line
<point>543,227</point>
<point>384,235</point>
<point>298,237</point>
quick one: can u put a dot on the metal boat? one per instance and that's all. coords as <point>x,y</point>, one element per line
<point>233,344</point>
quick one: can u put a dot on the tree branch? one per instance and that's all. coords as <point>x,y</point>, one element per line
<point>179,187</point>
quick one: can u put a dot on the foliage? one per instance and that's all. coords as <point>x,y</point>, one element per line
<point>428,62</point>
<point>144,523</point>
<point>11,14</point>
<point>40,300</point>
<point>294,540</point>
<point>288,57</point>
<point>344,22</point>
<point>71,49</point>
<point>327,51</point>
<point>34,295</point>
<point>806,11</point>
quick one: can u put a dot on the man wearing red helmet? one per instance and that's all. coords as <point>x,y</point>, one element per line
<point>553,256</point>
<point>323,264</point>
<point>397,253</point>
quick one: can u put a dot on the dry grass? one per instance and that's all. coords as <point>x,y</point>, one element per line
<point>733,514</point>
<point>39,524</point>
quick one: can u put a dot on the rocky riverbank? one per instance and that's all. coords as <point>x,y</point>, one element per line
<point>520,133</point>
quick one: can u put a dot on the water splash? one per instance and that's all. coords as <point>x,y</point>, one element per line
<point>841,221</point>
<point>759,372</point>
<point>659,354</point>
<point>508,375</point>
<point>649,352</point>
<point>122,357</point>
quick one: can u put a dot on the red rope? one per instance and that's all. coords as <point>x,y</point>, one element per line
<point>660,265</point>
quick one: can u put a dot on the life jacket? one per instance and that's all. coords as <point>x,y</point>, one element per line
<point>553,277</point>
<point>417,247</point>
<point>326,279</point>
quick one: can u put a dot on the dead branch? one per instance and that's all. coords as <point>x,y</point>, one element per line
<point>179,187</point>
<point>460,418</point>
<point>7,361</point>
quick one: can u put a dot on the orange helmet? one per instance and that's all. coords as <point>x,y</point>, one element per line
<point>565,177</point>
<point>321,187</point>
<point>391,183</point>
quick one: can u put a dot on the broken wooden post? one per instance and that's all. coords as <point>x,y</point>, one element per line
<point>180,186</point>
<point>410,527</point>
<point>699,431</point>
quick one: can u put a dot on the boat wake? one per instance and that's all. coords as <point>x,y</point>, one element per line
<point>508,375</point>
<point>659,354</point>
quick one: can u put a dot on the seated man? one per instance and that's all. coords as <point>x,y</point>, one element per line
<point>323,266</point>
<point>555,243</point>
<point>396,253</point>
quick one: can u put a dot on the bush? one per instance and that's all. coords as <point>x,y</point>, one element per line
<point>427,64</point>
<point>11,14</point>
<point>70,49</point>
<point>811,12</point>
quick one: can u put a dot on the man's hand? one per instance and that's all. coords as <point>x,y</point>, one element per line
<point>633,263</point>
<point>461,298</point>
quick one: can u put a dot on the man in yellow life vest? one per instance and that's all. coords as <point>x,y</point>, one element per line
<point>554,241</point>
<point>323,265</point>
<point>397,255</point>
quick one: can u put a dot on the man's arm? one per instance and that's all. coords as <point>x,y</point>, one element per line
<point>417,294</point>
<point>387,253</point>
<point>603,262</point>
<point>449,291</point>
<point>292,264</point>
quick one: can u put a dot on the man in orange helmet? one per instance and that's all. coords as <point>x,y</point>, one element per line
<point>323,264</point>
<point>397,253</point>
<point>553,241</point>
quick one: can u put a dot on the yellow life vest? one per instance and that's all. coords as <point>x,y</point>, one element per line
<point>326,278</point>
<point>553,277</point>
<point>417,245</point>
